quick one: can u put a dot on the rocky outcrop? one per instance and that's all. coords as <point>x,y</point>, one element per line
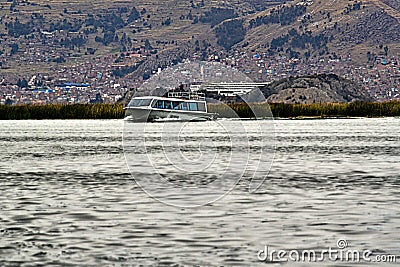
<point>322,88</point>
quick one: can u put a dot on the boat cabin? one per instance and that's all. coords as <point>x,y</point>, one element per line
<point>169,104</point>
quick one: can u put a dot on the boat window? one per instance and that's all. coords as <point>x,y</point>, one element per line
<point>159,104</point>
<point>139,102</point>
<point>176,105</point>
<point>167,104</point>
<point>183,106</point>
<point>202,106</point>
<point>192,106</point>
<point>134,103</point>
<point>164,104</point>
<point>145,102</point>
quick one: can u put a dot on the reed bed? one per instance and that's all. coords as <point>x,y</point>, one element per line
<point>279,110</point>
<point>241,110</point>
<point>62,112</point>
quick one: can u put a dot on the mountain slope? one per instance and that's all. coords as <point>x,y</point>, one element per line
<point>326,28</point>
<point>76,31</point>
<point>121,43</point>
<point>315,89</point>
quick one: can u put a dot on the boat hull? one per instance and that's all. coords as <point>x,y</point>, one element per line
<point>151,115</point>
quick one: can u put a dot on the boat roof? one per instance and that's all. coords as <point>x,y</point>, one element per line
<point>168,98</point>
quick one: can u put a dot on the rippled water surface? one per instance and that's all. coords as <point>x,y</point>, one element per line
<point>67,198</point>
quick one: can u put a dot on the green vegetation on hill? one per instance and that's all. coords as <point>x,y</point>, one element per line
<point>230,33</point>
<point>217,15</point>
<point>297,41</point>
<point>332,29</point>
<point>283,16</point>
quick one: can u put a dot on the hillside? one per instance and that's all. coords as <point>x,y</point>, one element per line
<point>112,44</point>
<point>63,33</point>
<point>315,89</point>
<point>326,28</point>
<point>80,30</point>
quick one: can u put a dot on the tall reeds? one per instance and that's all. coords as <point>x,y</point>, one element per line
<point>62,112</point>
<point>279,110</point>
<point>241,110</point>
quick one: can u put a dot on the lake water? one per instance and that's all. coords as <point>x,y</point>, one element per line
<point>67,198</point>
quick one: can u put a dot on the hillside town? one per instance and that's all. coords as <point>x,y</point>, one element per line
<point>98,81</point>
<point>56,53</point>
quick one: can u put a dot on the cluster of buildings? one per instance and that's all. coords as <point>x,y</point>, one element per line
<point>381,78</point>
<point>85,82</point>
<point>94,81</point>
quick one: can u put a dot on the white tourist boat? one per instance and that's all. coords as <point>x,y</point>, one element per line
<point>178,106</point>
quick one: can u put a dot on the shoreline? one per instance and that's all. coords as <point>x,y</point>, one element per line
<point>239,119</point>
<point>276,111</point>
<point>334,118</point>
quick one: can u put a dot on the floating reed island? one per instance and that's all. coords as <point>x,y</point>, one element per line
<point>239,110</point>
